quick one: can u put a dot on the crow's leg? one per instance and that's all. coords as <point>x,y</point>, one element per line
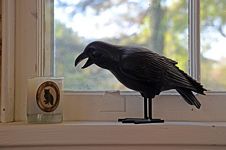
<point>150,108</point>
<point>149,119</point>
<point>145,108</point>
<point>132,120</point>
<point>146,119</point>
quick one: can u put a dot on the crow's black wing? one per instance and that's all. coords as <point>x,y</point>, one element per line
<point>145,66</point>
<point>152,67</point>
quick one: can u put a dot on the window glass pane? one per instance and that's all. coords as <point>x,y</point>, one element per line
<point>160,25</point>
<point>213,44</point>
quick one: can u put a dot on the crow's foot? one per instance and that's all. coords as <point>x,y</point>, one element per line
<point>140,120</point>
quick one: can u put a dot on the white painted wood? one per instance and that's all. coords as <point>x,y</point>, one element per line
<point>94,135</point>
<point>117,147</point>
<point>45,37</point>
<point>8,51</point>
<point>48,29</point>
<point>194,38</point>
<point>0,51</point>
<point>26,52</point>
<point>78,106</point>
<point>40,37</point>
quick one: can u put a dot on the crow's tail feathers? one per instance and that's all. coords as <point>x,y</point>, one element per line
<point>197,87</point>
<point>189,97</point>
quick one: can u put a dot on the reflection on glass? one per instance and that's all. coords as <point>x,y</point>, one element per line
<point>213,44</point>
<point>160,25</point>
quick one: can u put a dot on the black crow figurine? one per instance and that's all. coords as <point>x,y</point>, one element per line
<point>144,71</point>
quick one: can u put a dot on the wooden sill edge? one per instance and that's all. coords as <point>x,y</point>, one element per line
<point>113,133</point>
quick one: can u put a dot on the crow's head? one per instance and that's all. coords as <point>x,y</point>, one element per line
<point>100,53</point>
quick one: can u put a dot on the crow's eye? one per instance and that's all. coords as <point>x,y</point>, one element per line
<point>96,54</point>
<point>92,52</point>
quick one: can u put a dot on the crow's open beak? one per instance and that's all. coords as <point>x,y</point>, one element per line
<point>80,58</point>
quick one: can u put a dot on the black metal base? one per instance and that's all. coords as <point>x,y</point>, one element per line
<point>147,115</point>
<point>140,120</point>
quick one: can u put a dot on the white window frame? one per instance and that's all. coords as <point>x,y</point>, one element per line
<point>194,38</point>
<point>28,55</point>
<point>7,73</point>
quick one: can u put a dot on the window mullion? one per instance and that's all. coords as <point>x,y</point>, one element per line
<point>40,38</point>
<point>194,38</point>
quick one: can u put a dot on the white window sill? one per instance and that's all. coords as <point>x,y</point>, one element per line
<point>205,134</point>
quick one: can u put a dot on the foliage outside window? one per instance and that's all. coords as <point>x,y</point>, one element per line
<point>213,44</point>
<point>160,25</point>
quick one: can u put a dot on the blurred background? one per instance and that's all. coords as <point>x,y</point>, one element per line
<point>160,25</point>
